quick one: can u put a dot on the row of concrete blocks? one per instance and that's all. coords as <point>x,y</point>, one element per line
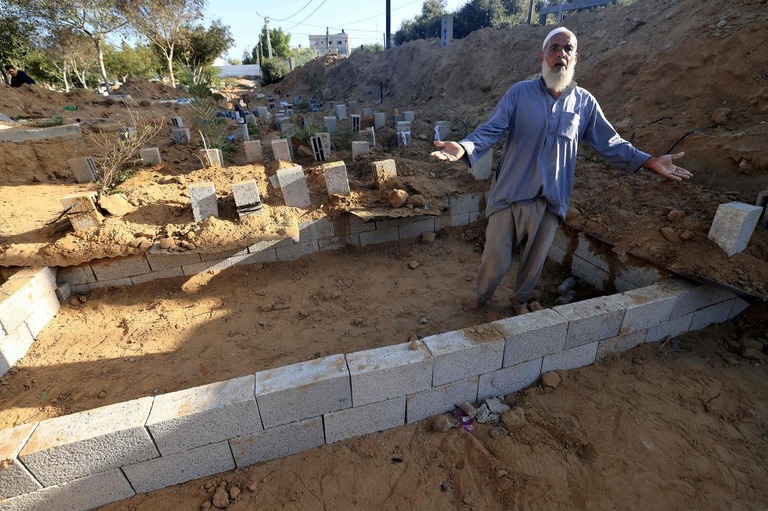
<point>94,457</point>
<point>314,236</point>
<point>28,301</point>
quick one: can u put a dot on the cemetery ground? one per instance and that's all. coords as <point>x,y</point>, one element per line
<point>678,425</point>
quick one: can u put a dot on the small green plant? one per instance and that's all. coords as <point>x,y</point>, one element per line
<point>308,132</point>
<point>253,129</point>
<point>229,149</point>
<point>342,138</point>
<point>57,120</point>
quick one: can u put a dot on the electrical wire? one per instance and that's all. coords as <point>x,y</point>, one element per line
<point>289,17</point>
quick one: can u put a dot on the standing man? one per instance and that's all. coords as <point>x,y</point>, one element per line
<point>544,119</point>
<point>18,78</point>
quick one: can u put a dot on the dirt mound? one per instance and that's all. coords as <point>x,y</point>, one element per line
<point>147,90</point>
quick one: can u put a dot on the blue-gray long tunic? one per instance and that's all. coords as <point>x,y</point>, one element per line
<point>543,134</point>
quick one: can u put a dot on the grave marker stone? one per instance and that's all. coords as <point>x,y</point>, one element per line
<point>262,112</point>
<point>408,116</point>
<point>150,156</point>
<point>354,123</point>
<point>379,119</point>
<point>126,134</point>
<point>181,136</point>
<point>442,130</point>
<point>293,183</point>
<point>247,198</point>
<point>330,124</point>
<point>369,135</point>
<point>336,178</point>
<point>84,169</point>
<point>319,149</point>
<point>341,112</point>
<point>360,147</point>
<point>733,226</point>
<point>353,106</point>
<point>203,198</point>
<point>403,133</point>
<point>481,170</point>
<point>81,210</point>
<point>211,157</point>
<point>367,112</point>
<point>281,149</point>
<point>384,173</point>
<point>241,133</point>
<point>177,122</point>
<point>253,151</point>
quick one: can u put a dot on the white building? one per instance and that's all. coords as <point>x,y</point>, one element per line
<point>337,43</point>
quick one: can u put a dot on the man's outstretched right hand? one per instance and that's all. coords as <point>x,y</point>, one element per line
<point>449,151</point>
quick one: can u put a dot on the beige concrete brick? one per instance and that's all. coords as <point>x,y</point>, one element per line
<point>163,261</point>
<point>461,354</point>
<point>591,320</point>
<point>440,399</point>
<point>508,379</point>
<point>75,275</point>
<point>15,479</point>
<point>531,336</point>
<point>120,268</point>
<point>14,346</point>
<point>46,308</point>
<point>363,420</point>
<point>278,442</point>
<point>85,443</point>
<point>18,298</point>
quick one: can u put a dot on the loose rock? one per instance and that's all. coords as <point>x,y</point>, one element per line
<point>468,409</point>
<point>497,432</point>
<point>413,265</point>
<point>442,423</point>
<point>514,418</point>
<point>220,498</point>
<point>675,215</point>
<point>495,405</point>
<point>482,414</point>
<point>670,235</point>
<point>550,380</point>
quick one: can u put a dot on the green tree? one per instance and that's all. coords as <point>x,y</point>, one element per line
<point>280,41</point>
<point>94,18</point>
<point>202,46</point>
<point>273,70</point>
<point>71,53</point>
<point>424,26</point>
<point>140,61</point>
<point>372,48</point>
<point>16,40</point>
<point>163,23</point>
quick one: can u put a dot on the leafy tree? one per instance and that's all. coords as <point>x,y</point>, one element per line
<point>303,55</point>
<point>424,26</point>
<point>140,60</point>
<point>372,48</point>
<point>273,70</point>
<point>163,22</point>
<point>280,41</point>
<point>70,52</point>
<point>202,46</point>
<point>94,18</point>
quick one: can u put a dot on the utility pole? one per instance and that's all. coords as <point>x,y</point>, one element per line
<point>269,43</point>
<point>530,12</point>
<point>560,12</point>
<point>327,41</point>
<point>389,24</point>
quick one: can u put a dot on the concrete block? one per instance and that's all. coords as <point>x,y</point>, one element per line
<point>247,198</point>
<point>63,292</point>
<point>442,130</point>
<point>589,273</point>
<point>293,183</point>
<point>43,275</point>
<point>84,169</point>
<point>403,130</point>
<point>204,415</point>
<point>213,265</point>
<point>440,399</point>
<point>508,379</point>
<point>330,124</point>
<point>359,148</point>
<point>579,356</point>
<point>341,112</point>
<point>556,254</point>
<point>119,268</point>
<point>623,342</point>
<point>353,106</point>
<point>46,308</point>
<point>408,116</point>
<point>593,252</point>
<point>162,261</point>
<point>155,275</point>
<point>181,467</point>
<point>304,390</point>
<point>262,112</point>
<point>646,307</point>
<point>253,151</point>
<point>211,157</point>
<point>462,354</point>
<point>181,136</point>
<point>388,372</point>
<point>379,236</point>
<point>710,315</point>
<point>415,227</point>
<point>81,211</point>
<point>733,226</point>
<point>354,124</point>
<point>532,336</point>
<point>240,134</point>
<point>591,320</point>
<point>384,173</point>
<point>336,178</point>
<point>150,156</point>
<point>363,420</point>
<point>220,256</point>
<point>177,122</point>
<point>739,306</point>
<point>281,150</point>
<point>15,479</point>
<point>379,119</point>
<point>641,276</point>
<point>18,299</point>
<point>85,288</point>
<point>721,295</point>
<point>74,275</point>
<point>278,442</point>
<point>289,250</point>
<point>369,135</point>
<point>466,203</point>
<point>80,495</point>
<point>316,229</point>
<point>85,443</point>
<point>483,168</point>
<point>321,145</point>
<point>672,328</point>
<point>14,345</point>
<point>367,112</point>
<point>690,297</point>
<point>203,199</point>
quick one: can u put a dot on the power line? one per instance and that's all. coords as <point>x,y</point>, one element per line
<point>308,16</point>
<point>294,14</point>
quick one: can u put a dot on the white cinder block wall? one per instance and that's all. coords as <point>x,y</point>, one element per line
<point>85,460</point>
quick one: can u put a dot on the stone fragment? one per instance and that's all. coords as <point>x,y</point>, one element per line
<point>81,211</point>
<point>416,200</point>
<point>396,198</point>
<point>482,414</point>
<point>550,380</point>
<point>498,432</point>
<point>468,409</point>
<point>84,169</point>
<point>116,204</point>
<point>675,215</point>
<point>514,418</point>
<point>495,405</point>
<point>670,235</point>
<point>442,423</point>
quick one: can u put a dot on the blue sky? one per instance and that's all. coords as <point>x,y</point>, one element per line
<point>364,20</point>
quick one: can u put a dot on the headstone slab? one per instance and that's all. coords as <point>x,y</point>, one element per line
<point>341,112</point>
<point>354,123</point>
<point>442,130</point>
<point>384,173</point>
<point>369,135</point>
<point>293,184</point>
<point>177,122</point>
<point>281,149</point>
<point>318,150</point>
<point>403,129</point>
<point>181,136</point>
<point>150,156</point>
<point>203,199</point>
<point>262,112</point>
<point>336,178</point>
<point>353,105</point>
<point>408,116</point>
<point>81,210</point>
<point>379,119</point>
<point>211,157</point>
<point>84,169</point>
<point>247,198</point>
<point>360,147</point>
<point>482,169</point>
<point>330,124</point>
<point>253,151</point>
<point>241,133</point>
<point>368,112</point>
<point>733,226</point>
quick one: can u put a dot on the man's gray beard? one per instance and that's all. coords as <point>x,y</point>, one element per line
<point>557,80</point>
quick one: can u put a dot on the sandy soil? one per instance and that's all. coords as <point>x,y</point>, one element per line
<point>683,428</point>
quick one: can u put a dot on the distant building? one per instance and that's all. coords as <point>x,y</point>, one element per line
<point>241,71</point>
<point>336,43</point>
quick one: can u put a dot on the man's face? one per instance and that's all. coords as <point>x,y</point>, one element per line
<point>558,61</point>
<point>13,72</point>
